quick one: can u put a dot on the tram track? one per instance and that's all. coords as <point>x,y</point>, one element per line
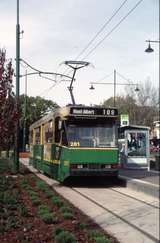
<point>135,198</point>
<point>147,234</point>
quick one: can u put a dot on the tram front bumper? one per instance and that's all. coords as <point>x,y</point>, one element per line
<point>92,172</point>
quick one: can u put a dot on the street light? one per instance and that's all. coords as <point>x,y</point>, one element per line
<point>149,49</point>
<point>114,84</point>
<point>92,87</point>
<point>75,65</point>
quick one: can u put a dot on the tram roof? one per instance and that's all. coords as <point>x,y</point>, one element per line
<point>64,112</point>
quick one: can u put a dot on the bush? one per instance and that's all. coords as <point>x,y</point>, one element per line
<point>65,237</point>
<point>23,211</point>
<point>41,185</point>
<point>94,234</point>
<point>45,214</point>
<point>65,209</point>
<point>35,201</point>
<point>102,239</point>
<point>80,226</point>
<point>47,218</point>
<point>57,231</point>
<point>68,215</point>
<point>43,209</point>
<point>49,193</point>
<point>57,201</point>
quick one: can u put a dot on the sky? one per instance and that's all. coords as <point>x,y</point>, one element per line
<point>58,30</point>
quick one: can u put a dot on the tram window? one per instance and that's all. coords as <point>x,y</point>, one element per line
<point>31,137</point>
<point>48,132</point>
<point>57,130</point>
<point>37,135</point>
<point>64,138</point>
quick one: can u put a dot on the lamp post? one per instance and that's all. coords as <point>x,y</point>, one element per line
<point>149,48</point>
<point>114,84</point>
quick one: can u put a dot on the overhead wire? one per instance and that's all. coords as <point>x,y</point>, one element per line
<point>109,33</point>
<point>122,76</point>
<point>114,28</point>
<point>100,30</point>
<point>47,90</point>
<point>106,76</point>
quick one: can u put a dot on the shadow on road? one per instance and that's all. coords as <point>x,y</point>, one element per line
<point>98,182</point>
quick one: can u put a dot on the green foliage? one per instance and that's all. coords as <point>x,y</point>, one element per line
<point>94,234</point>
<point>45,215</point>
<point>49,193</point>
<point>23,211</point>
<point>36,108</point>
<point>102,239</point>
<point>12,222</point>
<point>5,166</point>
<point>65,209</point>
<point>68,215</point>
<point>65,237</point>
<point>142,107</point>
<point>41,185</point>
<point>35,201</point>
<point>98,237</point>
<point>80,226</point>
<point>43,209</point>
<point>44,188</point>
<point>57,231</point>
<point>24,182</point>
<point>8,111</point>
<point>57,201</point>
<point>33,177</point>
<point>47,218</point>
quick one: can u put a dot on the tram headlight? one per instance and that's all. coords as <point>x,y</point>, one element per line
<point>79,166</point>
<point>107,166</point>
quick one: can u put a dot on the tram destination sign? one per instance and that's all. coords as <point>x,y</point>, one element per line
<point>93,111</point>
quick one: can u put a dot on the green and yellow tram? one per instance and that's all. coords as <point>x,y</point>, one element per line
<point>76,140</point>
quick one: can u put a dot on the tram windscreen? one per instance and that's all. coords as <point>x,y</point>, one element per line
<point>136,143</point>
<point>101,135</point>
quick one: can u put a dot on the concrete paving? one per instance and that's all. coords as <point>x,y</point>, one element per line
<point>150,176</point>
<point>130,216</point>
<point>142,180</point>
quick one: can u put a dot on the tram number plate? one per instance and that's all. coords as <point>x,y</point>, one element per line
<point>107,166</point>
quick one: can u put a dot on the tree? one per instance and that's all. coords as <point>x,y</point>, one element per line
<point>125,105</point>
<point>8,112</point>
<point>147,101</point>
<point>142,107</point>
<point>36,107</point>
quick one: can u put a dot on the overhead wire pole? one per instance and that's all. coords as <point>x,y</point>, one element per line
<point>114,87</point>
<point>16,155</point>
<point>25,112</point>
